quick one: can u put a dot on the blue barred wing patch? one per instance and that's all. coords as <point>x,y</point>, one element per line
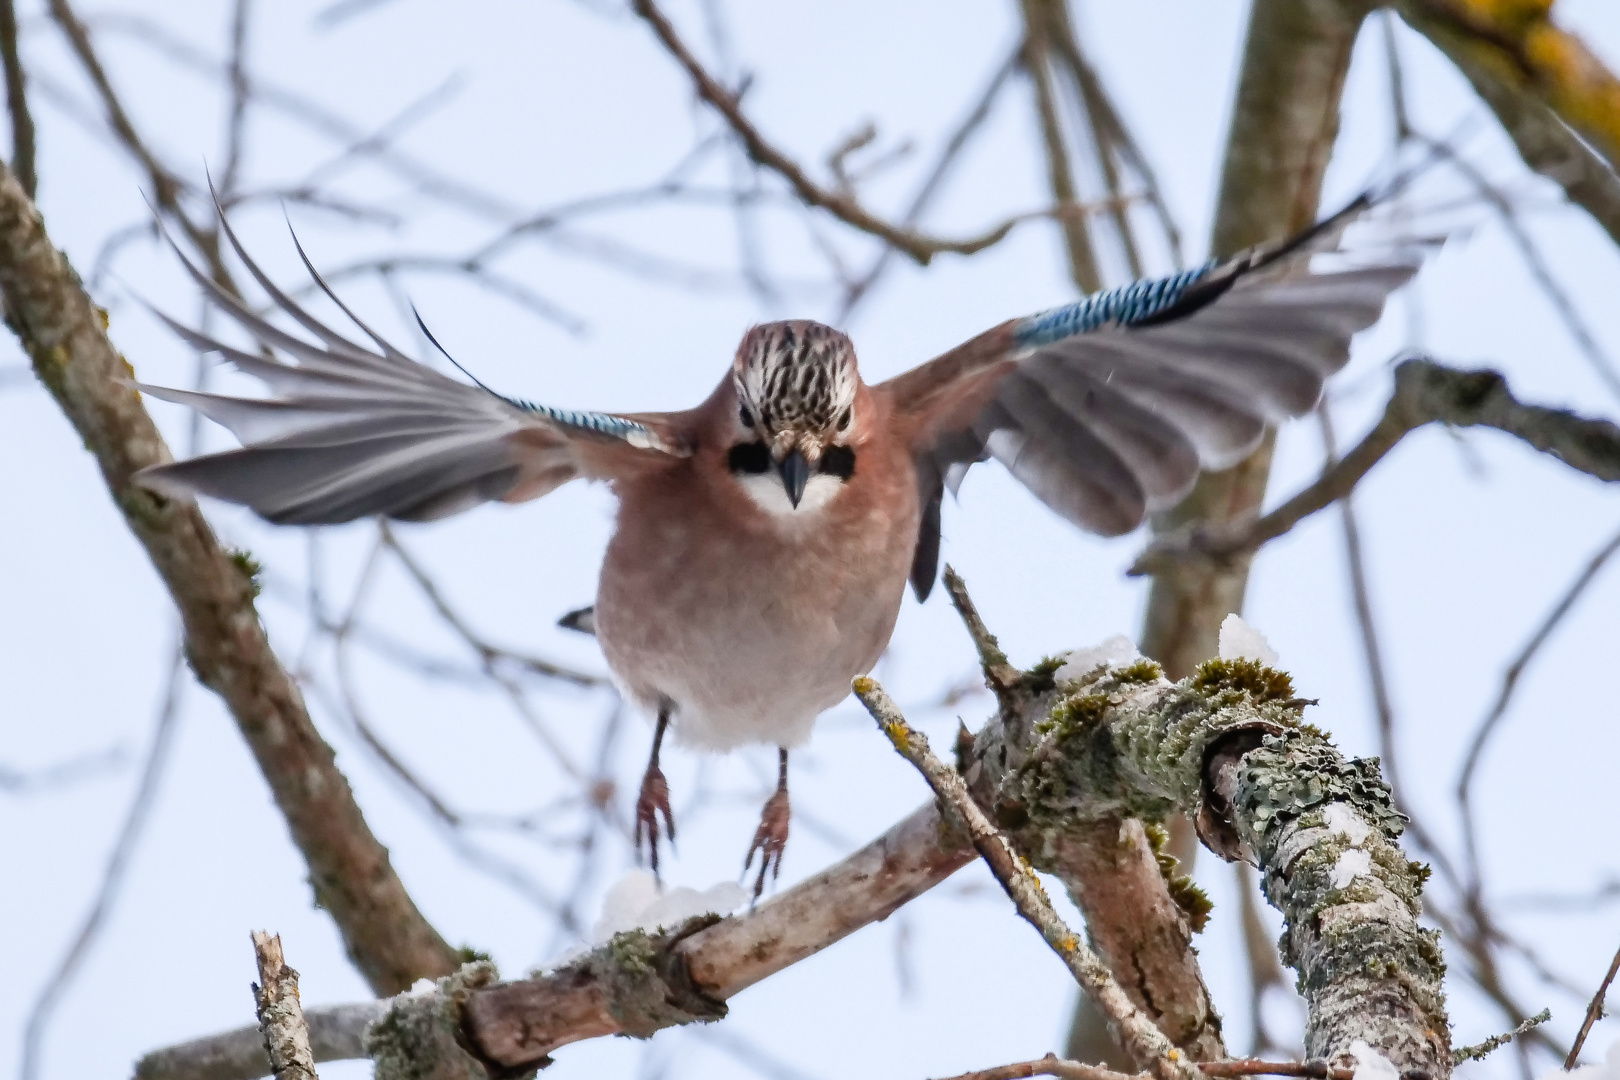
<point>1111,307</point>
<point>614,427</point>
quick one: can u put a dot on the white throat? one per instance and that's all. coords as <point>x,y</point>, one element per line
<point>767,492</point>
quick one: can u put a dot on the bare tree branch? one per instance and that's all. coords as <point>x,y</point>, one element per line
<point>1425,392</point>
<point>1284,123</point>
<point>65,335</point>
<point>841,205</point>
<point>1545,141</point>
<point>112,878</point>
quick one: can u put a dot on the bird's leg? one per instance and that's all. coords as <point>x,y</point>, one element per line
<point>771,836</point>
<point>654,797</point>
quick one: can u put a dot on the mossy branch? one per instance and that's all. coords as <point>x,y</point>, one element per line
<point>1227,747</point>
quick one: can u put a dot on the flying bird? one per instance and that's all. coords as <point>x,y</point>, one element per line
<point>765,538</point>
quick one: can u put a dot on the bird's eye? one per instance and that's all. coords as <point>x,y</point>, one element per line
<point>838,461</point>
<point>844,418</point>
<point>753,457</point>
<point>745,416</point>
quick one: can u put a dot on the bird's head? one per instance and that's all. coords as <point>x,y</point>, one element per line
<point>796,384</point>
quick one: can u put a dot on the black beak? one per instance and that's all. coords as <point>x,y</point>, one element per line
<point>795,472</point>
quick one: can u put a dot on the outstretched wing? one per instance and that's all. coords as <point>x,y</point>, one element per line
<point>1110,407</point>
<point>351,431</point>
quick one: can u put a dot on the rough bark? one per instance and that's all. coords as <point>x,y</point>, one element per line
<point>1227,748</point>
<point>1133,1026</point>
<point>65,335</point>
<point>517,1024</point>
<point>281,1014</point>
<point>1110,869</point>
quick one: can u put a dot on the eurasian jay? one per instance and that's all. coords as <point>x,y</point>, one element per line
<point>764,538</point>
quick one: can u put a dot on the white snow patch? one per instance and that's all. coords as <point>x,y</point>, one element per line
<point>1352,864</point>
<point>635,902</point>
<point>1607,1069</point>
<point>1370,1064</point>
<point>1342,820</point>
<point>1117,651</point>
<point>1240,641</point>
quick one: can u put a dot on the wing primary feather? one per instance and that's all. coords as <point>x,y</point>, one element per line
<point>423,326</point>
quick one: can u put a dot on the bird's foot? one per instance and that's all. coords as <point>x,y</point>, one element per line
<point>769,840</point>
<point>653,800</point>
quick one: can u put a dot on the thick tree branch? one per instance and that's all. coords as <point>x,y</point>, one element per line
<point>1425,393</point>
<point>1226,747</point>
<point>1549,141</point>
<point>64,333</point>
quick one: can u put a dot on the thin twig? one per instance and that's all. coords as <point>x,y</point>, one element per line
<point>1490,1045</point>
<point>22,121</point>
<point>1050,1065</point>
<point>975,118</point>
<point>920,247</point>
<point>1146,1041</point>
<point>236,114</point>
<point>1000,675</point>
<point>1594,1012</point>
<point>1425,392</point>
<point>1510,682</point>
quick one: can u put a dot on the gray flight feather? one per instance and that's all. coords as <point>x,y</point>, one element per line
<point>1120,400</point>
<point>352,431</point>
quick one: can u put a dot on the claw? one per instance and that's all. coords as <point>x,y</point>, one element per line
<point>653,800</point>
<point>769,840</point>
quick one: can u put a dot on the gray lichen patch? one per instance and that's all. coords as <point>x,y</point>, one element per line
<point>417,1038</point>
<point>1324,831</point>
<point>1228,746</point>
<point>646,987</point>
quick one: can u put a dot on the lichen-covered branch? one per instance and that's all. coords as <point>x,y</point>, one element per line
<point>1425,393</point>
<point>335,1034</point>
<point>1136,1030</point>
<point>1140,917</point>
<point>1538,77</point>
<point>281,1014</point>
<point>1227,747</point>
<point>638,982</point>
<point>65,335</point>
